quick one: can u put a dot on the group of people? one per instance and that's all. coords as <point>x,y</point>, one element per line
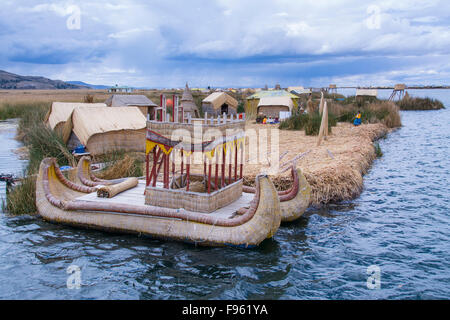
<point>270,120</point>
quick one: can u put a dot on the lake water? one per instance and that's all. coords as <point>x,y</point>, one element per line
<point>399,226</point>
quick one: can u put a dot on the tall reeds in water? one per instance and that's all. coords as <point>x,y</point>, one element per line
<point>40,142</point>
<point>308,122</point>
<point>385,112</point>
<point>408,103</point>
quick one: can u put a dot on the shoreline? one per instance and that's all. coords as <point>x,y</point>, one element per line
<point>335,169</point>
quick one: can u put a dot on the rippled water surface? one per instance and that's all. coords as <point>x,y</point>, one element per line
<point>400,224</point>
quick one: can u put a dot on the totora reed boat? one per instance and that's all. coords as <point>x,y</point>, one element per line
<point>245,223</point>
<point>208,208</point>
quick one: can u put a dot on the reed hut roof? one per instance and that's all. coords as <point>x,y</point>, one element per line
<point>86,122</point>
<point>187,94</point>
<point>276,101</point>
<point>217,99</point>
<point>400,86</point>
<point>60,111</point>
<point>367,92</point>
<point>187,102</point>
<point>272,93</point>
<point>298,88</point>
<point>122,100</point>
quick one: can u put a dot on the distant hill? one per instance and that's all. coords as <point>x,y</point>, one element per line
<point>92,86</point>
<point>13,81</point>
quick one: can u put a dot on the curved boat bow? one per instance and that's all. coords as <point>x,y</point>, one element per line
<point>294,201</point>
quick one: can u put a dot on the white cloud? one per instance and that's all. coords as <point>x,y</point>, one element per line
<point>153,38</point>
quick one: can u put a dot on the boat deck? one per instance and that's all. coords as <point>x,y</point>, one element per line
<point>135,196</point>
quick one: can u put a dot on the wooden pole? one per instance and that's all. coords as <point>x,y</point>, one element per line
<point>321,103</point>
<point>325,112</point>
<point>323,124</point>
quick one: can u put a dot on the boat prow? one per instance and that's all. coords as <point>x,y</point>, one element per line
<point>294,201</point>
<point>85,176</point>
<point>63,201</point>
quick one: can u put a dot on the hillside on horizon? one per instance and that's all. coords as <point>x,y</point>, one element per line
<point>14,81</point>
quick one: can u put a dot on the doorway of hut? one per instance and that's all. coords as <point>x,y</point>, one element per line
<point>224,109</point>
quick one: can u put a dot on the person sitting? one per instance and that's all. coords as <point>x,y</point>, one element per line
<point>357,120</point>
<point>265,120</point>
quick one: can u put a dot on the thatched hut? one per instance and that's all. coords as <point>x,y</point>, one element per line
<point>218,103</point>
<point>364,95</point>
<point>289,102</point>
<point>59,112</point>
<point>188,104</point>
<point>105,129</point>
<point>271,106</point>
<point>123,100</point>
<point>366,92</point>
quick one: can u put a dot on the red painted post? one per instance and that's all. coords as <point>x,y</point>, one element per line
<point>158,170</point>
<point>223,168</point>
<point>209,177</point>
<point>173,108</point>
<point>216,175</point>
<point>155,163</point>
<point>242,161</point>
<point>166,171</point>
<point>173,164</point>
<point>235,162</point>
<point>161,105</point>
<point>147,167</point>
<point>182,163</point>
<point>204,165</point>
<point>229,166</point>
<point>188,176</point>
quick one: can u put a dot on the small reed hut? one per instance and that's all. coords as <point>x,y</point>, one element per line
<point>363,95</point>
<point>219,103</point>
<point>398,92</point>
<point>188,105</point>
<point>144,104</point>
<point>271,106</point>
<point>105,129</point>
<point>59,112</point>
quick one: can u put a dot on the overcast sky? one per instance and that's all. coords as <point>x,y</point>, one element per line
<point>242,43</point>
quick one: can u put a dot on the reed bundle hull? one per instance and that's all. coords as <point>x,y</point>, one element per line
<point>58,201</point>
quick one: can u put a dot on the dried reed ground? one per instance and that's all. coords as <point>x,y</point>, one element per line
<point>335,169</point>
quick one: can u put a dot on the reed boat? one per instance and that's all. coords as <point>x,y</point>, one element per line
<point>245,222</point>
<point>295,200</point>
